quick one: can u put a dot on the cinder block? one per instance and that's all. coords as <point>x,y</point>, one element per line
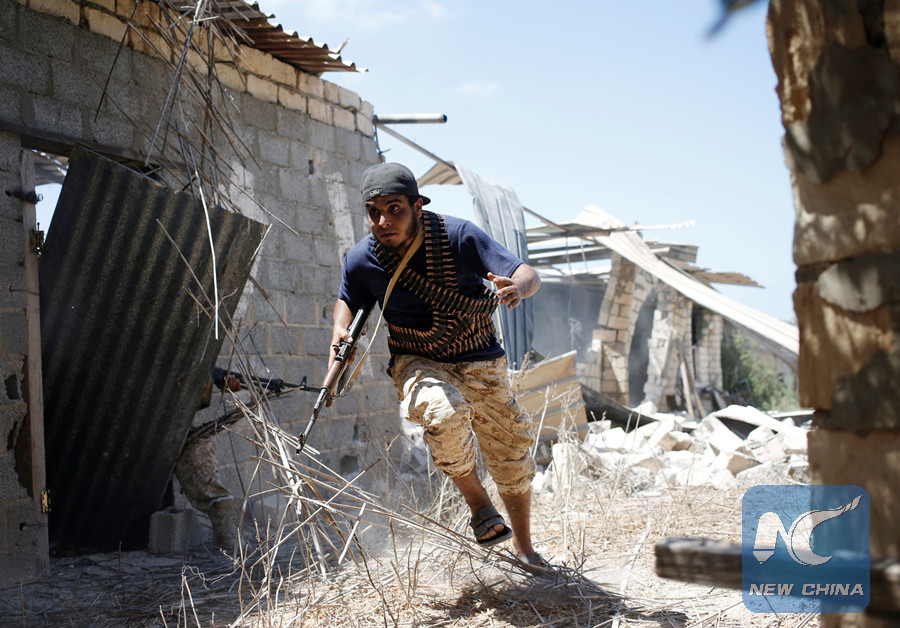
<point>344,119</point>
<point>284,340</point>
<point>63,8</point>
<point>262,88</point>
<point>273,149</point>
<point>320,110</point>
<point>104,23</point>
<point>24,70</point>
<point>257,113</point>
<point>293,184</point>
<point>300,158</point>
<point>311,85</point>
<point>13,333</point>
<point>55,116</point>
<point>365,125</point>
<point>47,34</point>
<point>174,531</point>
<point>291,99</point>
<point>331,92</point>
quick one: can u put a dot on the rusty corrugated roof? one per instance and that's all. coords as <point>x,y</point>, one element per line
<point>300,52</point>
<point>126,349</point>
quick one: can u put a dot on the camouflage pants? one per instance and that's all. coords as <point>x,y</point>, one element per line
<point>461,402</point>
<point>195,469</point>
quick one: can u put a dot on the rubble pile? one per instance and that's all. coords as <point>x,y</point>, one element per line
<point>737,447</point>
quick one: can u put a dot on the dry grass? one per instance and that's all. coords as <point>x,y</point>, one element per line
<point>398,553</point>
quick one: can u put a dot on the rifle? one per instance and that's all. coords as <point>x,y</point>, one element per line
<point>263,384</point>
<point>335,379</point>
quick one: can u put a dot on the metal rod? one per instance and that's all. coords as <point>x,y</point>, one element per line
<point>411,118</point>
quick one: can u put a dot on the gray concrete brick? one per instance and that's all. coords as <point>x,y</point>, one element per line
<point>96,53</point>
<point>111,130</point>
<point>49,34</point>
<point>10,106</point>
<point>55,116</point>
<point>302,308</point>
<point>317,341</point>
<point>327,252</point>
<point>284,340</point>
<point>12,279</point>
<point>126,96</point>
<point>274,149</point>
<point>291,124</point>
<point>263,311</point>
<point>10,147</point>
<point>318,192</point>
<point>313,369</point>
<point>11,417</point>
<point>29,72</point>
<point>321,135</point>
<point>293,184</point>
<point>312,221</point>
<point>9,19</point>
<point>300,158</point>
<point>10,208</point>
<point>348,144</point>
<point>4,547</point>
<point>12,242</point>
<point>369,153</point>
<point>294,248</point>
<point>13,333</point>
<point>258,113</point>
<point>282,276</point>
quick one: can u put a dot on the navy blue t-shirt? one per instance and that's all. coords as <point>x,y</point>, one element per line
<point>474,253</point>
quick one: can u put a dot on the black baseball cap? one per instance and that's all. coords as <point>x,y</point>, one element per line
<point>388,179</point>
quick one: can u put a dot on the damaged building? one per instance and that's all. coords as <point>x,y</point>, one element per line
<point>209,196</point>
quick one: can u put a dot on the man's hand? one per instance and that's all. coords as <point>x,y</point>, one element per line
<point>511,290</point>
<point>508,290</point>
<point>336,339</point>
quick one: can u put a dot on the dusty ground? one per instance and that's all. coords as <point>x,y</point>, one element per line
<point>409,571</point>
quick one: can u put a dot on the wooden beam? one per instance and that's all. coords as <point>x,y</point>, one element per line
<point>34,396</point>
<point>718,564</point>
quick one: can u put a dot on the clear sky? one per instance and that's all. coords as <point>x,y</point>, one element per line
<point>626,105</point>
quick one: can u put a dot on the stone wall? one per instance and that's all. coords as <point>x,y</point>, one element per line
<point>838,68</point>
<point>671,337</point>
<point>708,350</point>
<point>310,141</point>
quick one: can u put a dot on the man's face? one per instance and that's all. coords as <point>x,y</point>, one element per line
<point>394,221</point>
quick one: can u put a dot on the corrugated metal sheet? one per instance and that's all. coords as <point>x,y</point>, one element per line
<point>300,52</point>
<point>781,337</point>
<point>125,349</point>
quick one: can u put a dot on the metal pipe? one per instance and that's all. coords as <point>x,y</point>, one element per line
<point>411,118</point>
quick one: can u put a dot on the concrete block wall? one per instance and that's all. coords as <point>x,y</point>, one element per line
<point>20,519</point>
<point>312,140</point>
<point>670,336</point>
<point>708,351</point>
<point>615,326</point>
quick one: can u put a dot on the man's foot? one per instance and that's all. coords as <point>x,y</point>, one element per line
<point>535,563</point>
<point>487,521</point>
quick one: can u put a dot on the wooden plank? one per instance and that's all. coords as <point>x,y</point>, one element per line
<point>545,372</point>
<point>718,564</point>
<point>34,380</point>
<point>550,393</point>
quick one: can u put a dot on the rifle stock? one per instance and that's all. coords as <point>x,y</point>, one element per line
<point>341,361</point>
